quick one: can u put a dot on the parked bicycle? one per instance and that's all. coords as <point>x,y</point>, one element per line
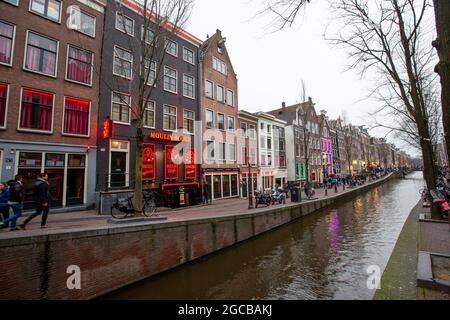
<point>124,207</point>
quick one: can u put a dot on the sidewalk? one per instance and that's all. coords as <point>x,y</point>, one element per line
<point>90,219</point>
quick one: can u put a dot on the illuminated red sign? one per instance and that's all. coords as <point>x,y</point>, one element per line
<point>149,162</point>
<point>170,164</point>
<point>168,137</point>
<point>190,168</point>
<point>108,129</point>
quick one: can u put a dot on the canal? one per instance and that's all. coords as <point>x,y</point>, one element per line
<point>321,256</point>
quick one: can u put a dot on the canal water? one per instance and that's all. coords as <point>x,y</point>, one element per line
<point>321,256</point>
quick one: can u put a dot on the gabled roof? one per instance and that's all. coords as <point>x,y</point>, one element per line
<point>214,40</point>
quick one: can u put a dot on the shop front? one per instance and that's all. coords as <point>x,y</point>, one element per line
<point>222,183</point>
<point>267,179</point>
<point>280,177</point>
<point>249,182</point>
<point>71,172</point>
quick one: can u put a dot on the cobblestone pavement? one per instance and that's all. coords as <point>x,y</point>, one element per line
<point>71,221</point>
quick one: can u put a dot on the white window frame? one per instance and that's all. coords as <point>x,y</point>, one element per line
<point>124,31</point>
<point>25,55</point>
<point>224,158</point>
<point>129,108</point>
<point>206,119</point>
<point>132,61</point>
<point>20,112</point>
<point>15,5</point>
<point>127,167</point>
<point>214,151</point>
<point>148,30</point>
<point>244,134</point>
<point>67,66</point>
<point>254,130</point>
<point>232,94</point>
<point>176,80</point>
<point>12,44</point>
<point>193,56</point>
<point>167,47</point>
<point>64,117</point>
<point>171,115</point>
<point>75,27</point>
<point>43,15</point>
<point>224,123</point>
<point>7,103</point>
<point>212,89</point>
<point>154,115</point>
<point>193,86</point>
<point>193,119</point>
<point>223,93</point>
<point>229,153</point>
<point>228,123</point>
<point>216,62</point>
<point>150,68</point>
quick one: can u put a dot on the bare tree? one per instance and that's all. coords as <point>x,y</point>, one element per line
<point>144,58</point>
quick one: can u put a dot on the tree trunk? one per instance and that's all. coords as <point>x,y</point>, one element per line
<point>442,45</point>
<point>138,169</point>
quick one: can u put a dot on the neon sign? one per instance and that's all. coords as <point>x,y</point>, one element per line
<point>149,162</point>
<point>108,129</point>
<point>170,165</point>
<point>168,137</point>
<point>190,168</point>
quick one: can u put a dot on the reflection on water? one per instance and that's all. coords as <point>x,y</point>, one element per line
<point>322,256</point>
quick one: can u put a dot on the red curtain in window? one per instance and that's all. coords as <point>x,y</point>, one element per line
<point>36,110</point>
<point>3,94</point>
<point>76,116</point>
<point>6,34</point>
<point>79,68</point>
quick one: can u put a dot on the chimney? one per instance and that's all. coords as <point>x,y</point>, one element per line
<point>283,105</point>
<point>310,100</point>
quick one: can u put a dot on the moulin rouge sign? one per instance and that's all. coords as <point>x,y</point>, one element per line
<point>168,137</point>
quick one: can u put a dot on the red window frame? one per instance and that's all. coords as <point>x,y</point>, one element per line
<point>149,162</point>
<point>3,104</point>
<point>74,117</point>
<point>170,168</point>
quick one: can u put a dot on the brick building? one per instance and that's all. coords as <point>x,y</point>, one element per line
<point>170,116</point>
<point>49,90</point>
<point>219,110</point>
<point>248,124</point>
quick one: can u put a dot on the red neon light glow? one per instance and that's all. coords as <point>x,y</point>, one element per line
<point>168,185</point>
<point>149,162</point>
<point>170,163</point>
<point>190,168</point>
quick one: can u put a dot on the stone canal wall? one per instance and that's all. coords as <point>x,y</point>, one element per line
<point>115,256</point>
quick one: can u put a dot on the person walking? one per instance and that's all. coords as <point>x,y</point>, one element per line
<point>206,199</point>
<point>15,199</point>
<point>42,199</point>
<point>4,206</point>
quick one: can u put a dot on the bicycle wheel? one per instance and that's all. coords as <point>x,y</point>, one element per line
<point>116,213</point>
<point>149,208</point>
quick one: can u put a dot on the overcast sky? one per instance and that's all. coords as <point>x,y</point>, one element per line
<point>271,66</point>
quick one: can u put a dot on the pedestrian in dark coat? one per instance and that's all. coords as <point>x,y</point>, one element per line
<point>4,206</point>
<point>15,199</point>
<point>42,201</point>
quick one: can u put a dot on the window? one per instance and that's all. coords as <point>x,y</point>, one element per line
<point>269,143</point>
<point>220,94</point>
<point>230,98</point>
<point>282,162</point>
<point>41,54</point>
<point>188,56</point>
<point>36,111</point>
<point>6,42</point>
<point>149,115</point>
<point>124,24</point>
<point>219,65</point>
<point>222,148</point>
<point>230,123</point>
<point>172,47</point>
<point>210,150</point>
<point>243,129</point>
<point>262,142</point>
<point>232,152</point>
<point>221,121</point>
<point>79,65</point>
<point>209,89</point>
<point>123,63</point>
<point>149,35</point>
<point>170,118</point>
<point>281,145</point>
<point>121,107</point>
<point>3,104</point>
<point>82,22</point>
<point>150,72</point>
<point>297,150</point>
<point>170,79</point>
<point>262,126</point>
<point>50,9</point>
<point>263,159</point>
<point>269,159</point>
<point>209,119</point>
<point>188,86</point>
<point>14,2</point>
<point>76,116</point>
<point>188,121</point>
<point>252,131</point>
<point>268,129</point>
